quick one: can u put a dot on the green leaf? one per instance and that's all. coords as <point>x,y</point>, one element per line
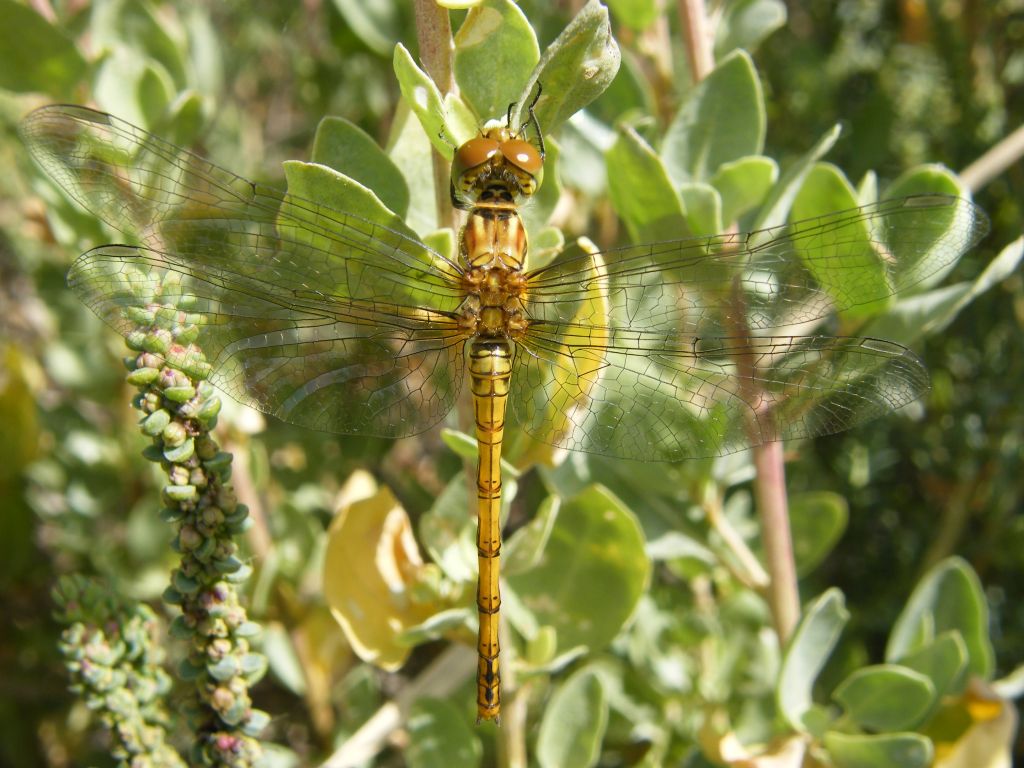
<point>895,750</point>
<point>818,520</point>
<point>466,446</point>
<point>943,661</point>
<point>775,209</point>
<point>185,119</point>
<point>495,52</point>
<point>806,654</point>
<point>326,186</point>
<point>592,572</point>
<point>930,313</point>
<point>448,529</point>
<point>447,122</point>
<point>574,70</point>
<point>929,180</point>
<point>826,189</point>
<point>949,597</point>
<point>743,184</point>
<point>526,546</point>
<point>36,56</point>
<point>348,149</point>
<point>410,151</point>
<point>131,24</point>
<point>722,119</point>
<point>439,736</point>
<point>375,24</point>
<point>635,14</point>
<point>746,23</point>
<point>130,86</point>
<point>886,697</point>
<point>540,207</point>
<point>574,723</point>
<point>703,207</point>
<point>642,194</point>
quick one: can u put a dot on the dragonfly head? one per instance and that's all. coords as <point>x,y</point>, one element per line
<point>496,166</point>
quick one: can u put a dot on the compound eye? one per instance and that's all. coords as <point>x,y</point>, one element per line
<point>473,153</point>
<point>523,155</point>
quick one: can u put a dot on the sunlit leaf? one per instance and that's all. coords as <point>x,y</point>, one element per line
<point>574,70</point>
<point>808,650</point>
<point>495,51</point>
<point>721,120</point>
<point>370,566</point>
<point>948,597</point>
<point>349,150</point>
<point>591,574</point>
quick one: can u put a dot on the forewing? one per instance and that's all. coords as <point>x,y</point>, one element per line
<point>642,395</point>
<point>773,279</point>
<point>337,365</point>
<point>176,202</point>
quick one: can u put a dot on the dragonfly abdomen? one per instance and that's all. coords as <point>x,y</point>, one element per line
<point>490,368</point>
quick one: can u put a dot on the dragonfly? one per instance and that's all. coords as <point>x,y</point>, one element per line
<point>659,351</point>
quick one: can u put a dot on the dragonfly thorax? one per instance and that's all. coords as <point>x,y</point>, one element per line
<point>493,305</point>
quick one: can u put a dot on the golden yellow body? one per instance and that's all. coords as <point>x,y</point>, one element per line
<point>491,172</point>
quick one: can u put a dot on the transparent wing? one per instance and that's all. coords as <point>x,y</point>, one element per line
<point>779,278</point>
<point>176,202</point>
<point>326,363</point>
<point>647,396</point>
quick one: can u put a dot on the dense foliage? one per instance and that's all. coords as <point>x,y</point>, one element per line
<point>639,631</point>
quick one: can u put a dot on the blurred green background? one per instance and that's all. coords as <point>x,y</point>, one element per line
<point>246,84</point>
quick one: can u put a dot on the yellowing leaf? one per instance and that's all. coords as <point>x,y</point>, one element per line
<point>371,566</point>
<point>987,741</point>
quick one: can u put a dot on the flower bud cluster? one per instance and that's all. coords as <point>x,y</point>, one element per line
<point>179,408</point>
<point>110,650</point>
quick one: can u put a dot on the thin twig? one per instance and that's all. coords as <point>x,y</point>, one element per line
<point>1000,157</point>
<point>749,570</point>
<point>444,675</point>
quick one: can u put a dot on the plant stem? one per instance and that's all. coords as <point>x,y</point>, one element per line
<point>773,509</point>
<point>434,36</point>
<point>693,17</point>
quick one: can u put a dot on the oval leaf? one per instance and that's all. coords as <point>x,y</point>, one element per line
<point>886,697</point>
<point>949,597</point>
<point>439,736</point>
<point>591,574</point>
<point>495,52</point>
<point>370,566</point>
<point>943,662</point>
<point>808,650</point>
<point>722,119</point>
<point>574,70</point>
<point>818,519</point>
<point>897,750</point>
<point>642,193</point>
<point>744,184</point>
<point>826,189</point>
<point>574,723</point>
<point>344,146</point>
